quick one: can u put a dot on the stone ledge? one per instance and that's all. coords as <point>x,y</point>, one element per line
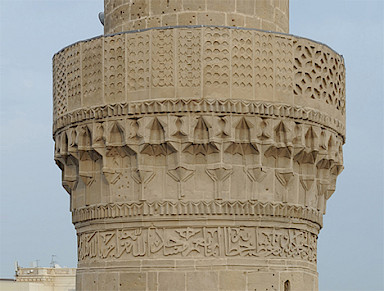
<point>193,209</point>
<point>264,109</point>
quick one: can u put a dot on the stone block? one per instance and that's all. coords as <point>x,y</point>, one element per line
<point>108,281</point>
<point>132,281</point>
<point>163,7</point>
<point>280,19</point>
<point>154,21</point>
<point>138,24</point>
<point>298,281</point>
<point>139,9</point>
<point>268,25</point>
<point>152,281</point>
<point>234,19</point>
<point>265,10</point>
<point>197,281</point>
<point>189,18</point>
<point>221,5</point>
<point>89,281</point>
<point>194,5</point>
<point>264,281</point>
<point>252,22</point>
<point>171,281</point>
<point>246,6</point>
<point>211,18</point>
<point>79,281</point>
<point>232,280</point>
<point>169,20</point>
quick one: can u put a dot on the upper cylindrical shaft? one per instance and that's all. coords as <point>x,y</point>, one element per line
<point>125,15</point>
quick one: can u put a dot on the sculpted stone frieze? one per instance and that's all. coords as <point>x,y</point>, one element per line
<point>191,242</point>
<point>162,156</point>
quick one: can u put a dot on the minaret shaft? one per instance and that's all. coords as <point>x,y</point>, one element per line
<point>199,149</point>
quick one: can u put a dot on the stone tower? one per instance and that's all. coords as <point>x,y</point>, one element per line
<point>199,143</point>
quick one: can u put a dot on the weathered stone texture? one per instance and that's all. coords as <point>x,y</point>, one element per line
<point>140,14</point>
<point>198,158</point>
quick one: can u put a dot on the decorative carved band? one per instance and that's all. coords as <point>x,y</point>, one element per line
<point>195,208</point>
<point>200,106</point>
<point>197,242</point>
<point>199,62</point>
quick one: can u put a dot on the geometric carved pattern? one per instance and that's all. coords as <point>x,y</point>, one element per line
<point>197,242</point>
<point>219,62</point>
<point>242,49</point>
<point>60,94</point>
<point>264,61</point>
<point>73,76</point>
<point>92,70</point>
<point>319,74</point>
<point>162,58</point>
<point>138,61</point>
<point>189,58</point>
<point>216,51</point>
<point>114,69</point>
<point>145,151</point>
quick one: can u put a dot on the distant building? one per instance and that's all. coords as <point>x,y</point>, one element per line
<point>41,279</point>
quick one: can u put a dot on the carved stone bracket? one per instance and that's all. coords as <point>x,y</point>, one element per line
<point>180,174</point>
<point>142,176</point>
<point>219,173</point>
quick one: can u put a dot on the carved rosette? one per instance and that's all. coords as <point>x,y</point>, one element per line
<point>205,144</point>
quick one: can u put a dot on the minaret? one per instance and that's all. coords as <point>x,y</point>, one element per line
<point>199,143</point>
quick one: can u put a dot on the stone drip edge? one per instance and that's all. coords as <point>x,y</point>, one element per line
<point>191,209</point>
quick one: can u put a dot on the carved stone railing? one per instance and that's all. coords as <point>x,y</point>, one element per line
<point>200,63</point>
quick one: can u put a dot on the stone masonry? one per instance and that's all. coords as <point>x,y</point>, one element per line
<point>199,148</point>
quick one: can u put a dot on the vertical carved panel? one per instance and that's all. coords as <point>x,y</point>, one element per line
<point>319,74</point>
<point>189,46</point>
<point>217,63</point>
<point>284,68</point>
<point>242,71</point>
<point>309,74</point>
<point>114,69</point>
<point>162,58</point>
<point>60,101</point>
<point>264,63</point>
<point>92,72</point>
<point>339,83</point>
<point>74,77</point>
<point>138,61</point>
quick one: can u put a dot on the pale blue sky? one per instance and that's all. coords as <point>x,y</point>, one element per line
<point>34,209</point>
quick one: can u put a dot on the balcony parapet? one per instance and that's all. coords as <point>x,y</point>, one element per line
<point>207,63</point>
